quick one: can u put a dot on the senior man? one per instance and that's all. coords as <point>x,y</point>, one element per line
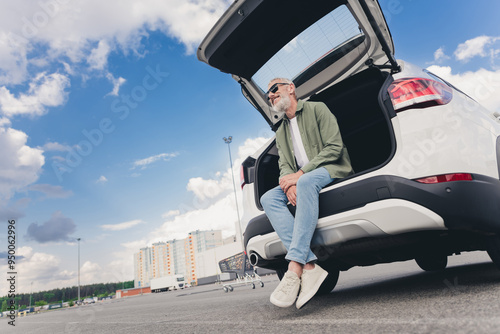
<point>311,155</point>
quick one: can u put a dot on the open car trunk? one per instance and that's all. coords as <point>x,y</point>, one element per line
<point>364,123</point>
<point>315,44</point>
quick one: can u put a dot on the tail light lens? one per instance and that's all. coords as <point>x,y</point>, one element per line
<point>418,93</point>
<point>242,177</point>
<point>446,178</point>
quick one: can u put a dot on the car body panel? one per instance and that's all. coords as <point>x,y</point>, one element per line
<point>377,219</point>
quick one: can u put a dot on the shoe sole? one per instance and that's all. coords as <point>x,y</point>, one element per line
<point>281,303</point>
<point>304,300</point>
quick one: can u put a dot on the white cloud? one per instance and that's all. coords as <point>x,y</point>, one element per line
<point>482,85</point>
<point>34,264</point>
<point>55,146</point>
<point>117,83</point>
<point>13,57</point>
<point>98,58</point>
<point>20,165</point>
<point>221,183</point>
<point>170,214</point>
<point>4,122</point>
<point>44,91</point>
<point>102,179</point>
<point>210,188</point>
<point>440,56</point>
<point>118,270</point>
<point>249,147</point>
<point>219,216</point>
<point>37,267</point>
<point>144,163</point>
<point>476,47</point>
<point>121,226</point>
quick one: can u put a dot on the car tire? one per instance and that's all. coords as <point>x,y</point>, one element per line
<point>432,262</point>
<point>493,249</point>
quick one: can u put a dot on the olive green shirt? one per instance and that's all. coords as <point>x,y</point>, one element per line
<point>322,142</point>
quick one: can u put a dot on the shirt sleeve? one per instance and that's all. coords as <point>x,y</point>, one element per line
<point>333,144</point>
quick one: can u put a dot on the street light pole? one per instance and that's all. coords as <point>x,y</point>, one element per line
<point>228,141</point>
<point>78,271</point>
<point>31,294</point>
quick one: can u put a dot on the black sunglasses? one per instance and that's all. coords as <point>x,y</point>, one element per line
<point>274,88</point>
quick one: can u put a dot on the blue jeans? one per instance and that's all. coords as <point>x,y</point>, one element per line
<point>296,233</point>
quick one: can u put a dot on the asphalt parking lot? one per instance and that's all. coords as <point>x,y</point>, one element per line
<point>389,298</point>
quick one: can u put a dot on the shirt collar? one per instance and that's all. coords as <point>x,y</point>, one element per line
<point>300,107</point>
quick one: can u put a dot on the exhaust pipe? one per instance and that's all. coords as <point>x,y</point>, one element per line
<point>254,258</point>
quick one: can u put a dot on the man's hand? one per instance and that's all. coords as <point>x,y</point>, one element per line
<point>290,180</point>
<point>291,194</point>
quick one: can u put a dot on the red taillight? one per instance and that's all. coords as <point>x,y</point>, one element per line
<point>418,92</point>
<point>446,178</point>
<point>242,177</point>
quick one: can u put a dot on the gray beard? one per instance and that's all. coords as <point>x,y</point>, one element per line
<point>284,103</point>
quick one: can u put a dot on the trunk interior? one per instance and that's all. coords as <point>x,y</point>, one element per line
<point>364,125</point>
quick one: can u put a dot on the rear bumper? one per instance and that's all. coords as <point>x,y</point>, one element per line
<point>374,202</point>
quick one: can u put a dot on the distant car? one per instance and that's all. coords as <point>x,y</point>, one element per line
<point>88,301</point>
<point>426,156</point>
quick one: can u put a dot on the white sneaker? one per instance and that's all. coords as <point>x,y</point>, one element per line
<point>286,292</point>
<point>311,280</point>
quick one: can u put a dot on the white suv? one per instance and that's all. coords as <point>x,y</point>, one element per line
<point>426,156</point>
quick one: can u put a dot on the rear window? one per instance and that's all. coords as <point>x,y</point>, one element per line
<point>314,49</point>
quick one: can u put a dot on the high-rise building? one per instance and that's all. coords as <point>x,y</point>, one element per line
<point>162,257</point>
<point>195,243</point>
<point>179,257</point>
<point>142,267</point>
<point>174,257</point>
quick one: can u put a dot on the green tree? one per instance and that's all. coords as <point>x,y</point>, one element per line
<point>4,306</point>
<point>49,296</point>
<point>41,303</point>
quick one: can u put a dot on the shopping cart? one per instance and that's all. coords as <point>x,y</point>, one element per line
<point>245,273</point>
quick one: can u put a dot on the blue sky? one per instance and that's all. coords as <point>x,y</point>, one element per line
<point>111,129</point>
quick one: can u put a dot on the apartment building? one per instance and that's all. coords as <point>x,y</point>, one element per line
<point>174,257</point>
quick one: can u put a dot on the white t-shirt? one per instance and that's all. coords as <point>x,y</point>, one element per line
<point>298,145</point>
